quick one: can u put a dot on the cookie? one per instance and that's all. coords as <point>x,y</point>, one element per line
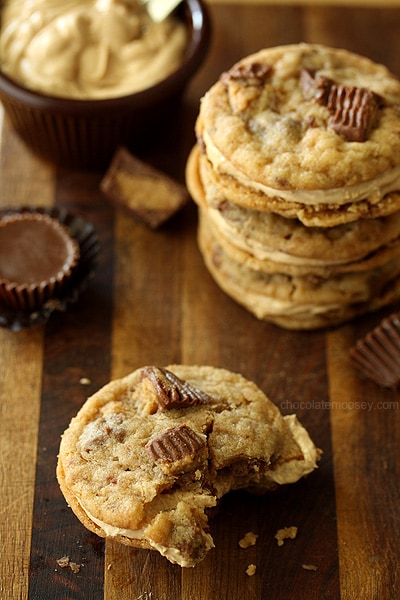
<point>295,301</point>
<point>150,454</point>
<point>305,125</point>
<point>281,241</point>
<point>348,274</point>
<point>312,215</point>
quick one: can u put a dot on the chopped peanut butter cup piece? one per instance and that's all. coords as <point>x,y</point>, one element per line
<point>353,109</point>
<point>142,190</point>
<point>173,392</point>
<point>377,355</point>
<point>175,444</point>
<point>315,88</point>
<point>253,74</point>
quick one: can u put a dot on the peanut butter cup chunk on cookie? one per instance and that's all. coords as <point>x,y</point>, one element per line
<point>139,467</point>
<point>178,448</point>
<point>353,110</point>
<point>171,391</point>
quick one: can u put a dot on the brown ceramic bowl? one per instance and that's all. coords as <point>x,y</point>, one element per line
<point>84,134</point>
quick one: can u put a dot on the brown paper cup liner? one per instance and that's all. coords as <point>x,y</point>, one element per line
<point>56,298</point>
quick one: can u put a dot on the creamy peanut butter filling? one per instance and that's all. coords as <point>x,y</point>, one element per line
<point>172,554</point>
<point>263,252</point>
<point>372,191</point>
<point>87,48</point>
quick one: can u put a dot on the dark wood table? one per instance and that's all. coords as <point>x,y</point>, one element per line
<point>153,302</point>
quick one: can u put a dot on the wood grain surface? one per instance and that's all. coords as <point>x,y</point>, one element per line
<point>152,301</point>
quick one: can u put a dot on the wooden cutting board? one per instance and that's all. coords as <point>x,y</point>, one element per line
<point>152,301</point>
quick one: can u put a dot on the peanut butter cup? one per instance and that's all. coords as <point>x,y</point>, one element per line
<point>37,259</point>
<point>377,355</point>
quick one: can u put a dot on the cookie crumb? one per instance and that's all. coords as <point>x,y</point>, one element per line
<point>65,561</point>
<point>251,570</point>
<point>249,539</point>
<point>310,567</point>
<point>85,381</point>
<point>286,533</point>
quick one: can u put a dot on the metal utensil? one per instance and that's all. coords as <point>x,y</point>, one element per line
<point>160,9</point>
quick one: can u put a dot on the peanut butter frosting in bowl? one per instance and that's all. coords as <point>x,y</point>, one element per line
<point>88,48</point>
<point>80,79</point>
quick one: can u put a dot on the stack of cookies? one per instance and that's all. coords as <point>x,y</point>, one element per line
<point>296,173</point>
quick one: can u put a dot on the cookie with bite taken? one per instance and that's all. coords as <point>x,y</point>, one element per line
<point>149,455</point>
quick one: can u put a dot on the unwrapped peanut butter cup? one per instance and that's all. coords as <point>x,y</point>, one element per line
<point>45,256</point>
<point>377,355</point>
